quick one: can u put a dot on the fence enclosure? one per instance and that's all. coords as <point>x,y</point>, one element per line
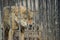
<point>45,16</point>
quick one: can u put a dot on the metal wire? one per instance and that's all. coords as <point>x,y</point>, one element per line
<point>48,15</point>
<point>22,2</point>
<point>19,16</point>
<point>2,19</point>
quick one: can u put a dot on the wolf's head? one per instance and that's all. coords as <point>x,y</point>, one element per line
<point>26,16</point>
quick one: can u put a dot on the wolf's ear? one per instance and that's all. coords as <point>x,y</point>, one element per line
<point>31,14</point>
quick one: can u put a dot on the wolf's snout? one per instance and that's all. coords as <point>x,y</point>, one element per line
<point>30,27</point>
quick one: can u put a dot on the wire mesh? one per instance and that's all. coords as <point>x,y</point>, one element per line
<point>45,18</point>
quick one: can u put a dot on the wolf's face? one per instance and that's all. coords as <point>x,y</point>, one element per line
<point>26,20</point>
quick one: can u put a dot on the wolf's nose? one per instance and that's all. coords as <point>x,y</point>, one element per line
<point>30,27</point>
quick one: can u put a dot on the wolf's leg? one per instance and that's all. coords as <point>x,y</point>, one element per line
<point>10,36</point>
<point>22,36</point>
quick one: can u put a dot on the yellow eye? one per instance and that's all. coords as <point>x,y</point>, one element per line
<point>31,18</point>
<point>25,18</point>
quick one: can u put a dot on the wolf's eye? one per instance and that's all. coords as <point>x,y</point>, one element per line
<point>25,18</point>
<point>31,18</point>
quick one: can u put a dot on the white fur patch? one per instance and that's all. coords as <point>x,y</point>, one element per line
<point>23,22</point>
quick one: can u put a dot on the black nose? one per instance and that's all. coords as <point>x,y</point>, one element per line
<point>30,27</point>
